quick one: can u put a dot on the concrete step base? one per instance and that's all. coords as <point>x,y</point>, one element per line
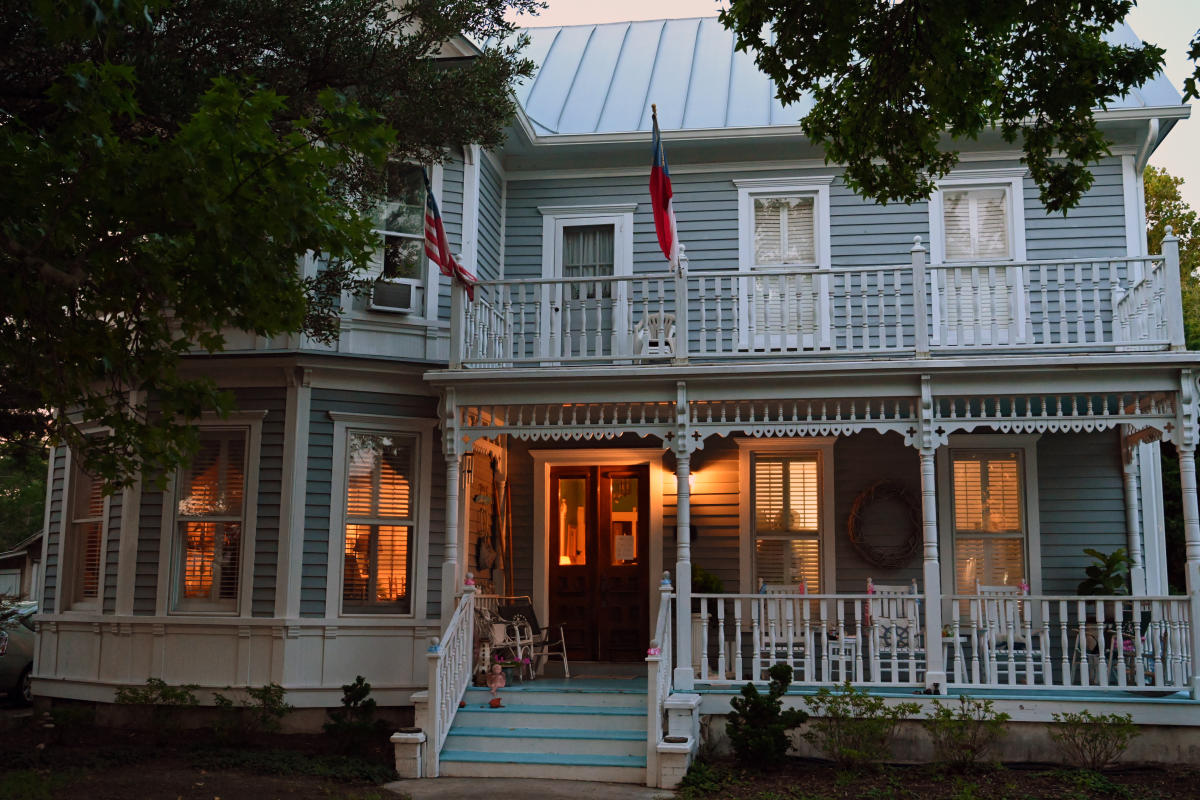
<point>609,769</point>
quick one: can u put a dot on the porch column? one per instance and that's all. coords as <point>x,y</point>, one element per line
<point>1191,530</point>
<point>1137,569</point>
<point>684,676</point>
<point>450,554</point>
<point>935,670</point>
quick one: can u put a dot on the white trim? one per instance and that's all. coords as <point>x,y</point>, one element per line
<point>823,447</point>
<point>1027,443</point>
<point>421,428</point>
<point>470,209</point>
<point>543,461</point>
<point>169,546</point>
<point>1153,531</point>
<point>610,209</point>
<point>1135,236</point>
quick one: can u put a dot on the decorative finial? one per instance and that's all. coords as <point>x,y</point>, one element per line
<point>1170,230</point>
<point>654,109</point>
<point>917,243</point>
<point>666,578</point>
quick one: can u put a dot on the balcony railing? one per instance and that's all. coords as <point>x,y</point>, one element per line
<point>914,309</point>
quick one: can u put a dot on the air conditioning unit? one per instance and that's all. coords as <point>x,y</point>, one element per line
<point>397,296</point>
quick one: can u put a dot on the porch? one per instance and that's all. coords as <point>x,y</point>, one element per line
<point>916,310</point>
<point>932,623</point>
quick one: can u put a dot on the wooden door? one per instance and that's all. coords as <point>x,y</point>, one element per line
<point>599,561</point>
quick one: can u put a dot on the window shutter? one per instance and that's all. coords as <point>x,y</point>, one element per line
<point>784,231</point>
<point>768,495</point>
<point>997,561</point>
<point>801,241</point>
<point>788,562</point>
<point>976,224</point>
<point>768,237</point>
<point>802,494</point>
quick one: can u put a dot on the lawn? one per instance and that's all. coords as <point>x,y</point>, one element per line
<point>804,779</point>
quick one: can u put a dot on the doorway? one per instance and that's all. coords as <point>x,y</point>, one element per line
<point>599,560</point>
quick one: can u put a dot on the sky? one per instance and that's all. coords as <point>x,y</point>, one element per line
<point>1168,23</point>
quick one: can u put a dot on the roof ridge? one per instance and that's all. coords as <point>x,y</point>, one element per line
<point>614,22</point>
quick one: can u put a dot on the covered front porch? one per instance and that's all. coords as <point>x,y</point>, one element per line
<point>973,510</point>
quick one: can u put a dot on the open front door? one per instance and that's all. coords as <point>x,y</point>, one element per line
<point>599,567</point>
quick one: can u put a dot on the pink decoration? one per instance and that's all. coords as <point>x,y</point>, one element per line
<point>1024,587</point>
<point>654,651</point>
<point>469,581</point>
<point>495,681</point>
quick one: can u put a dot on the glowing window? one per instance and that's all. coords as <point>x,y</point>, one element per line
<point>787,537</point>
<point>210,516</point>
<point>380,517</point>
<point>989,526</point>
<point>87,533</point>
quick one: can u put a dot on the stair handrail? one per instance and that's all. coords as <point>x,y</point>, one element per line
<point>451,657</point>
<point>658,677</point>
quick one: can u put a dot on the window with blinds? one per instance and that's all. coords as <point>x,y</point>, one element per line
<point>380,518</point>
<point>989,526</point>
<point>785,232</point>
<point>787,536</point>
<point>210,515</point>
<point>976,224</point>
<point>87,533</point>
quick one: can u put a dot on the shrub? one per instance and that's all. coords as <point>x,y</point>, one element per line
<point>164,700</point>
<point>962,736</point>
<point>260,711</point>
<point>851,726</point>
<point>1093,741</point>
<point>354,725</point>
<point>758,724</point>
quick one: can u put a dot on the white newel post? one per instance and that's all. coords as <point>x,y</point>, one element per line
<point>458,324</point>
<point>684,676</point>
<point>920,316</point>
<point>1133,525</point>
<point>935,670</point>
<point>1174,299</point>
<point>451,452</point>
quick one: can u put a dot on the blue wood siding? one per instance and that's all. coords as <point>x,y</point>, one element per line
<point>50,572</point>
<point>451,205</point>
<point>862,233</point>
<point>112,552</point>
<point>491,223</point>
<point>322,461</point>
<point>145,579</point>
<point>1081,504</point>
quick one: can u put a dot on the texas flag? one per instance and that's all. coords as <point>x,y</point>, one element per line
<point>660,199</point>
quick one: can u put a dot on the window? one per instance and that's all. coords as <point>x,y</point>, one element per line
<point>402,222</point>
<point>988,518</point>
<point>210,519</point>
<point>381,516</point>
<point>587,252</point>
<point>785,231</point>
<point>786,519</point>
<point>85,539</point>
<point>976,224</point>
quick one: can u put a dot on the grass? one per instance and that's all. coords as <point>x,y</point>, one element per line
<point>289,762</point>
<point>32,784</point>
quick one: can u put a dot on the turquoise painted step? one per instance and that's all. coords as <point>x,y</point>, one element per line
<point>561,759</point>
<point>601,711</point>
<point>548,733</point>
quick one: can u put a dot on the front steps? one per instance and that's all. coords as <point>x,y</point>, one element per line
<point>579,729</point>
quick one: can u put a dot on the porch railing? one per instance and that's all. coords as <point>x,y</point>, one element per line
<point>866,639</point>
<point>1138,644</point>
<point>1091,304</point>
<point>450,661</point>
<point>659,662</point>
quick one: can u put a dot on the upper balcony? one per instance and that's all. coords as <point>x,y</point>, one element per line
<point>915,310</point>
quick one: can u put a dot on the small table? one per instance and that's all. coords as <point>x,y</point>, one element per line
<point>839,650</point>
<point>954,646</point>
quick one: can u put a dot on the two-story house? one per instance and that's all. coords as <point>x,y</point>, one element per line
<point>880,438</point>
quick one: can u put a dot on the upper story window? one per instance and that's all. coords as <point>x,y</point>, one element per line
<point>977,224</point>
<point>381,514</point>
<point>588,252</point>
<point>210,520</point>
<point>85,539</point>
<point>785,230</point>
<point>402,222</point>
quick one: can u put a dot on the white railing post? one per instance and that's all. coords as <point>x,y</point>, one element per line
<point>1191,530</point>
<point>458,324</point>
<point>684,679</point>
<point>935,670</point>
<point>658,679</point>
<point>681,309</point>
<point>1174,299</point>
<point>920,316</point>
<point>450,545</point>
<point>432,723</point>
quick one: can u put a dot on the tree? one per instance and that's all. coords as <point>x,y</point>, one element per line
<point>166,166</point>
<point>891,81</point>
<point>1165,206</point>
<point>22,497</point>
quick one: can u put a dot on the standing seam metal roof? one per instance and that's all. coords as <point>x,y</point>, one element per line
<point>602,79</point>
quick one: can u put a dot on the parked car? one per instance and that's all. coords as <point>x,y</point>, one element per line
<point>16,650</point>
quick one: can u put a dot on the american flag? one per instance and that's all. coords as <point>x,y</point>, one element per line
<point>438,249</point>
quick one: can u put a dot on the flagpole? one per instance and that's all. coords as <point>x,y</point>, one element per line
<point>677,259</point>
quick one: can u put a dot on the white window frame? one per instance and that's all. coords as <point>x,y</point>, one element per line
<point>69,546</point>
<point>1027,445</point>
<point>822,448</point>
<point>424,430</point>
<point>1013,181</point>
<point>749,189</point>
<point>169,567</point>
<point>554,220</point>
<point>426,279</point>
